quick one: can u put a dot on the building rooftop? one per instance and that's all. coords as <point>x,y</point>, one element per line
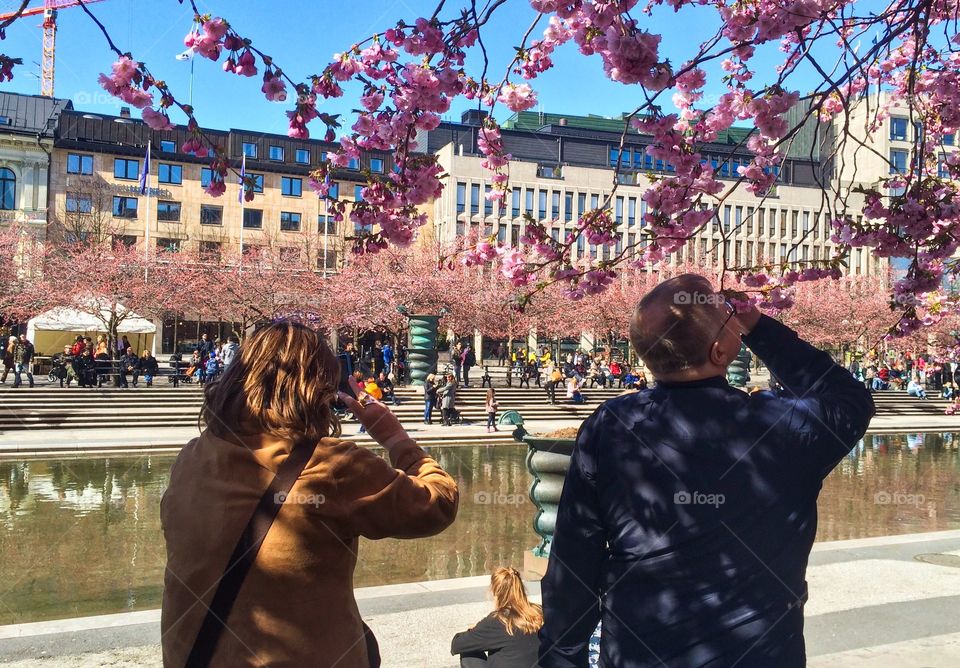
<point>30,114</point>
<point>535,120</point>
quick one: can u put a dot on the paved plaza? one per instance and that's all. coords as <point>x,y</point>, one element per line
<point>875,602</point>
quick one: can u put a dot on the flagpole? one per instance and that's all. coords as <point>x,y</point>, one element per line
<point>243,174</point>
<point>145,189</point>
<point>325,229</point>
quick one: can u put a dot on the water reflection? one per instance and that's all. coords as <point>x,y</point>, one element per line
<point>82,536</point>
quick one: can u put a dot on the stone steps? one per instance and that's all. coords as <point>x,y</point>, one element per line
<point>56,408</point>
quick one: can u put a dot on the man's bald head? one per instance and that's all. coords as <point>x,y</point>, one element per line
<point>674,324</point>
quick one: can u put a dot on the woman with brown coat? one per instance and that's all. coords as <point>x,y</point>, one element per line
<point>295,605</point>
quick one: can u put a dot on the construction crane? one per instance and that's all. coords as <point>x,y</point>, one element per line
<point>49,25</point>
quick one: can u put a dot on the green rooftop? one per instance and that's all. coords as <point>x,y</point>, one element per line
<point>533,120</point>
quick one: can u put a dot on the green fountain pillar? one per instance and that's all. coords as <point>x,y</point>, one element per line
<point>422,351</point>
<point>738,374</point>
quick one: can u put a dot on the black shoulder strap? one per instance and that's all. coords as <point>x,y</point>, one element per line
<point>245,553</point>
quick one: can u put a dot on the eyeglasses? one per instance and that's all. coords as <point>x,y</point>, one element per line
<point>733,312</point>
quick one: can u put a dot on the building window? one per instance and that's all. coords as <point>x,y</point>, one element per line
<point>487,202</point>
<point>542,202</point>
<point>168,211</point>
<point>327,259</point>
<point>461,197</point>
<point>290,186</point>
<point>898,161</point>
<point>8,189</point>
<point>302,156</point>
<point>79,164</point>
<point>334,191</point>
<point>124,207</point>
<point>170,173</point>
<point>502,232</point>
<point>794,223</point>
<point>581,204</point>
<point>726,218</point>
<point>515,202</point>
<point>126,169</point>
<point>474,199</point>
<point>257,182</point>
<point>290,254</point>
<point>206,175</point>
<point>358,192</point>
<point>253,219</point>
<point>555,205</point>
<point>806,222</point>
<point>249,150</point>
<point>376,165</point>
<point>276,153</point>
<point>528,201</point>
<point>618,210</point>
<point>354,164</point>
<point>168,146</point>
<point>947,140</point>
<point>210,251</point>
<point>289,221</point>
<point>168,245</point>
<point>594,202</point>
<point>211,215</point>
<point>326,224</point>
<point>77,203</point>
<point>127,240</point>
<point>568,207</point>
<point>631,211</point>
<point>898,128</point>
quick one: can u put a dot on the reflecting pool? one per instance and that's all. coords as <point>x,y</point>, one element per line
<point>82,536</point>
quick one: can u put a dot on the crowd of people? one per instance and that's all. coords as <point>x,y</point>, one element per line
<point>917,374</point>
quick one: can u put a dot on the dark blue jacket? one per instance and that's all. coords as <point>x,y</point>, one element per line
<point>689,511</point>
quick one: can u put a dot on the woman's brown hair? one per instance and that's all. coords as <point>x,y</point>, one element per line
<point>513,608</point>
<point>282,383</point>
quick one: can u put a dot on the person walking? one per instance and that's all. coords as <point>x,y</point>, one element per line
<point>553,379</point>
<point>429,398</point>
<point>502,354</point>
<point>264,574</point>
<point>507,637</point>
<point>387,353</point>
<point>468,361</point>
<point>230,349</point>
<point>491,408</point>
<point>688,511</point>
<point>204,347</point>
<point>448,397</point>
<point>8,364</point>
<point>456,359</point>
<point>22,360</point>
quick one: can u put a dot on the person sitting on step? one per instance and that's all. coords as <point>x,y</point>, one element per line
<point>508,635</point>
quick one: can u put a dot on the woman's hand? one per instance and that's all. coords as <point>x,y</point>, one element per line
<point>382,425</point>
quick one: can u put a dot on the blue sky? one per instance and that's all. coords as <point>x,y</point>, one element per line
<point>301,36</point>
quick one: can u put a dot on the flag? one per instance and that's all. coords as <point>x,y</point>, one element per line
<point>144,175</point>
<point>243,174</point>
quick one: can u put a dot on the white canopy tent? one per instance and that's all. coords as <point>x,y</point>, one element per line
<point>61,326</point>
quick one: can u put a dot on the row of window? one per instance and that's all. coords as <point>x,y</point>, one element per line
<point>169,212</point>
<point>213,251</point>
<point>638,159</point>
<point>900,157</point>
<point>556,205</point>
<point>899,127</point>
<point>170,174</point>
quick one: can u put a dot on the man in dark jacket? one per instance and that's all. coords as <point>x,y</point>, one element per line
<point>23,360</point>
<point>129,363</point>
<point>689,509</point>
